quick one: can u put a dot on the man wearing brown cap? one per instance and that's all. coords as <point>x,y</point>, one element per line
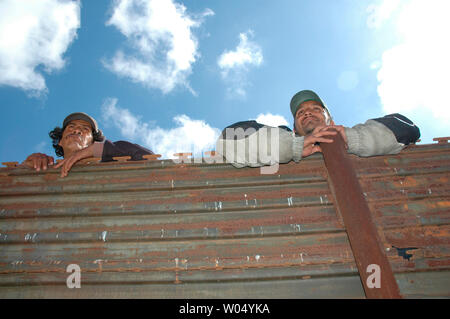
<point>313,125</point>
<point>81,138</point>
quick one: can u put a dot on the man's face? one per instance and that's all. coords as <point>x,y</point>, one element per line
<point>76,136</point>
<point>310,115</point>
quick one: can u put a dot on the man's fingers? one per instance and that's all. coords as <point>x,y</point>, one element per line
<point>50,161</point>
<point>58,165</point>
<point>38,164</point>
<point>311,149</point>
<point>317,139</point>
<point>38,161</point>
<point>324,133</point>
<point>325,128</point>
<point>341,130</point>
<point>63,169</point>
<point>322,140</point>
<point>318,129</point>
<point>67,166</point>
<point>321,134</point>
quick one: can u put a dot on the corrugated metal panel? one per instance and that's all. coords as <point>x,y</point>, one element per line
<point>155,229</point>
<point>409,196</point>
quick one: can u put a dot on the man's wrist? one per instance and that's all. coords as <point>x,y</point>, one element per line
<point>85,152</point>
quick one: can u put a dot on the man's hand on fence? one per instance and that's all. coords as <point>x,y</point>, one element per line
<point>38,161</point>
<point>321,134</point>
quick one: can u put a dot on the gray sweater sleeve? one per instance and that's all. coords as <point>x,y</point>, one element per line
<point>372,138</point>
<point>266,146</point>
<point>269,145</point>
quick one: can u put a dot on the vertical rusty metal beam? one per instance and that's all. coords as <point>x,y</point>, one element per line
<point>361,230</point>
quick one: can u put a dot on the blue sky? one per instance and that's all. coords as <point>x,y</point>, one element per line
<point>170,75</point>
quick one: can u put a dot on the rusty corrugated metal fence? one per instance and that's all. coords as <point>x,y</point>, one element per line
<point>156,229</point>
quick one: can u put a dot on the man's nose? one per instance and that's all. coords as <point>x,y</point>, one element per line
<point>307,113</point>
<point>76,130</point>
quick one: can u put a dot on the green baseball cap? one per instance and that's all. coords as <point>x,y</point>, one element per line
<point>303,96</point>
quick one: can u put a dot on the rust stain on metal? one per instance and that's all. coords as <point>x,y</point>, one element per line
<point>122,158</point>
<point>151,157</point>
<point>444,204</point>
<point>49,178</point>
<point>10,164</point>
<point>441,140</point>
<point>90,160</point>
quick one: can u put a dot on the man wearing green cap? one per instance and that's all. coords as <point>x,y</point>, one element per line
<point>81,138</point>
<point>313,125</point>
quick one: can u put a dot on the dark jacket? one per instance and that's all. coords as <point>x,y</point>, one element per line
<point>123,148</point>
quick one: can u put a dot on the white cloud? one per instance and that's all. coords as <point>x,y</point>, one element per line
<point>188,135</point>
<point>271,119</point>
<point>163,46</point>
<point>415,74</point>
<point>246,53</point>
<point>378,14</point>
<point>375,65</point>
<point>235,64</point>
<point>35,33</point>
<point>130,125</point>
